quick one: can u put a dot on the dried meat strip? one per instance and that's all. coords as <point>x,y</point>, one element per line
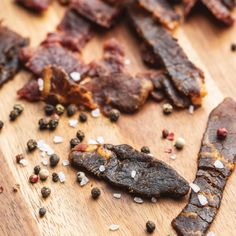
<point>97,11</point>
<point>74,31</point>
<point>229,3</point>
<point>35,5</point>
<point>186,77</point>
<point>153,178</point>
<point>10,45</point>
<point>163,11</point>
<point>215,164</point>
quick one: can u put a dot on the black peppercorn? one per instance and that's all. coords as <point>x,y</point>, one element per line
<point>165,133</point>
<point>31,145</point>
<point>145,149</point>
<point>54,159</point>
<point>13,115</point>
<point>233,47</point>
<point>19,157</point>
<point>42,211</point>
<point>43,124</point>
<point>49,109</point>
<point>80,135</point>
<point>55,177</point>
<point>52,124</point>
<point>114,115</point>
<point>19,108</point>
<point>150,226</point>
<point>83,117</point>
<point>95,193</point>
<point>37,169</point>
<point>1,124</point>
<point>59,109</point>
<point>71,110</point>
<point>74,142</point>
<point>45,191</point>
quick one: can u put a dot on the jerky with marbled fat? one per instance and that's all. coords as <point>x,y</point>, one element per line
<point>163,11</point>
<point>10,45</point>
<point>195,219</point>
<point>186,77</point>
<point>153,178</point>
<point>35,5</point>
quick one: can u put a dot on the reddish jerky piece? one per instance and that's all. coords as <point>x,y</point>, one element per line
<point>163,11</point>
<point>73,32</point>
<point>10,45</point>
<point>35,5</point>
<point>97,11</point>
<point>53,54</point>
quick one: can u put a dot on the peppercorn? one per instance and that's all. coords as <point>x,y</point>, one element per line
<point>150,226</point>
<point>80,135</point>
<point>43,174</point>
<point>42,211</point>
<point>1,124</point>
<point>83,117</point>
<point>19,157</point>
<point>49,109</point>
<point>59,109</point>
<point>179,143</point>
<point>233,47</point>
<point>55,177</point>
<point>31,145</point>
<point>222,133</point>
<point>52,124</point>
<point>37,169</point>
<point>167,108</point>
<point>54,159</point>
<point>95,193</point>
<point>13,115</point>
<point>45,191</point>
<point>165,133</point>
<point>74,142</point>
<point>43,123</point>
<point>33,179</point>
<point>71,110</point>
<point>19,108</point>
<point>145,149</point>
<point>114,115</point>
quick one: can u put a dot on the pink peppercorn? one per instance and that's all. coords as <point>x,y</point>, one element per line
<point>222,133</point>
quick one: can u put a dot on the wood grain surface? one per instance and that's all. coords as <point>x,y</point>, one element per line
<point>70,209</point>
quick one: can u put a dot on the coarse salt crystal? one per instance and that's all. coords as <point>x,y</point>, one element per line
<point>92,141</point>
<point>84,181</point>
<point>65,162</point>
<point>151,155</point>
<point>202,199</point>
<point>40,84</point>
<point>153,200</point>
<point>73,123</point>
<point>117,195</point>
<point>95,113</point>
<point>194,187</point>
<point>57,139</point>
<point>44,162</point>
<point>173,157</point>
<point>43,154</point>
<point>100,140</point>
<point>102,168</point>
<point>23,162</point>
<point>42,146</point>
<point>138,200</point>
<point>127,61</point>
<point>210,234</point>
<point>133,173</point>
<point>75,76</point>
<point>191,109</point>
<point>114,227</point>
<point>61,176</point>
<point>218,164</point>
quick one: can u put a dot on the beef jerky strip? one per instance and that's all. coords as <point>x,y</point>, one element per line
<point>153,178</point>
<point>10,45</point>
<point>35,5</point>
<point>186,77</point>
<point>97,11</point>
<point>229,3</point>
<point>211,178</point>
<point>73,32</point>
<point>163,11</point>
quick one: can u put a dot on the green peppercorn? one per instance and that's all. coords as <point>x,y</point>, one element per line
<point>13,115</point>
<point>55,177</point>
<point>145,149</point>
<point>71,110</point>
<point>114,115</point>
<point>19,108</point>
<point>31,145</point>
<point>52,124</point>
<point>42,211</point>
<point>150,226</point>
<point>49,109</point>
<point>43,124</point>
<point>74,142</point>
<point>167,108</point>
<point>59,109</point>
<point>83,117</point>
<point>1,124</point>
<point>80,135</point>
<point>37,169</point>
<point>95,193</point>
<point>43,174</point>
<point>45,191</point>
<point>54,159</point>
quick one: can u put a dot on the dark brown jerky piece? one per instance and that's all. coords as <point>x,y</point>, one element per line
<point>10,45</point>
<point>97,11</point>
<point>35,5</point>
<point>153,178</point>
<point>163,11</point>
<point>195,219</point>
<point>73,32</point>
<point>186,77</point>
<point>52,54</point>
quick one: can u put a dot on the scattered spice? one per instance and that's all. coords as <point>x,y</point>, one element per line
<point>179,143</point>
<point>114,115</point>
<point>52,124</point>
<point>71,110</point>
<point>102,168</point>
<point>43,124</point>
<point>233,47</point>
<point>92,141</point>
<point>45,191</point>
<point>114,227</point>
<point>202,199</point>
<point>59,109</point>
<point>43,174</point>
<point>138,200</point>
<point>100,140</point>
<point>150,226</point>
<point>95,113</point>
<point>33,179</point>
<point>222,133</point>
<point>55,177</point>
<point>54,159</point>
<point>44,162</point>
<point>153,200</point>
<point>65,162</point>
<point>13,115</point>
<point>75,75</point>
<point>23,162</point>
<point>57,139</point>
<point>80,176</point>
<point>49,109</point>
<point>117,195</point>
<point>73,123</point>
<point>74,142</point>
<point>145,149</point>
<point>19,108</point>
<point>194,187</point>
<point>1,189</point>
<point>83,117</point>
<point>42,211</point>
<point>168,150</point>
<point>1,124</point>
<point>37,169</point>
<point>61,177</point>
<point>171,136</point>
<point>218,164</point>
<point>95,193</point>
<point>165,133</point>
<point>80,135</point>
<point>31,145</point>
<point>167,108</point>
<point>19,157</point>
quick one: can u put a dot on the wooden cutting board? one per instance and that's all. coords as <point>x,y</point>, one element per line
<point>70,210</point>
